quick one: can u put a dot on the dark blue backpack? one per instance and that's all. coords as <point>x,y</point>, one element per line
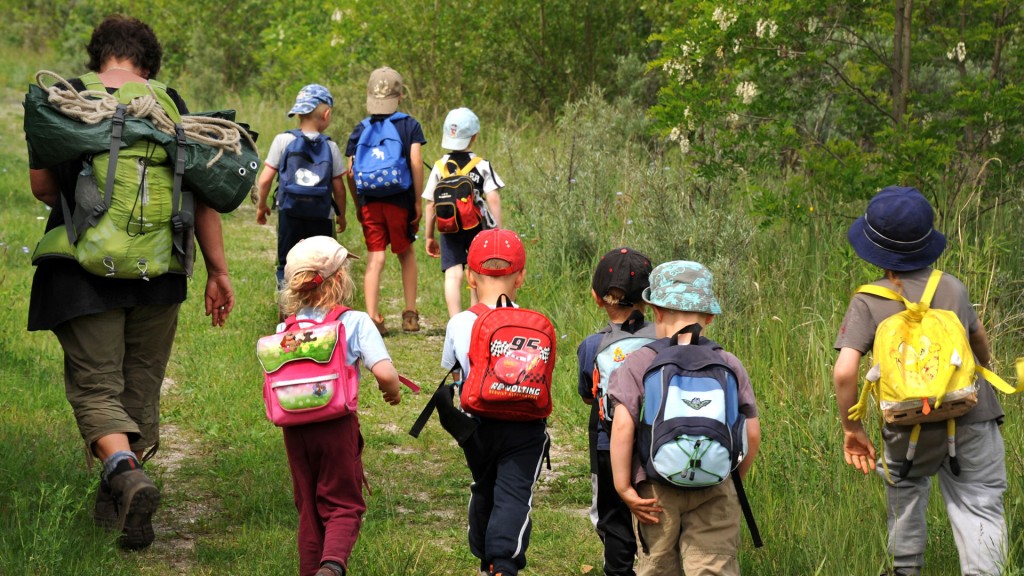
<point>304,179</point>
<point>379,166</point>
<point>691,432</point>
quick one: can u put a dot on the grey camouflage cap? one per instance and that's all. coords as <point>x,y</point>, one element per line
<point>684,286</point>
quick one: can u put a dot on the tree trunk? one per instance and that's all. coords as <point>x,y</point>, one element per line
<point>901,58</point>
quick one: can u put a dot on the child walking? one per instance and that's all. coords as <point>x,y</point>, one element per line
<point>310,174</point>
<point>617,288</point>
<point>326,457</point>
<point>896,233</point>
<point>503,456</point>
<point>385,177</point>
<point>459,131</point>
<point>701,525</point>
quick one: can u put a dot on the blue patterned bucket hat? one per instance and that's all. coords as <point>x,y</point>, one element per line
<point>683,286</point>
<point>309,98</point>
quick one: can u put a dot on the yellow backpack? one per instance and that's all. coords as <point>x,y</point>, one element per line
<point>924,369</point>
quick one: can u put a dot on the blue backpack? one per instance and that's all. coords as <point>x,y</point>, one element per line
<point>304,180</point>
<point>691,433</point>
<point>380,167</point>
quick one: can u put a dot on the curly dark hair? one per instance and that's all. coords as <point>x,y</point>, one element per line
<point>125,37</point>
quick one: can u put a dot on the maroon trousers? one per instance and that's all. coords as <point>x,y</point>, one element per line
<point>327,477</point>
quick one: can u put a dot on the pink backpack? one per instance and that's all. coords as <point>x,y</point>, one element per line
<point>306,378</point>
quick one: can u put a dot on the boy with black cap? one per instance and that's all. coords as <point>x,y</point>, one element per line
<point>617,287</point>
<point>504,456</point>
<point>896,233</point>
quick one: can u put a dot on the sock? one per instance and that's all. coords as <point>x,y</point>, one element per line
<point>334,566</point>
<point>118,462</point>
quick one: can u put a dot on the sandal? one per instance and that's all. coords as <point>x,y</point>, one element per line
<point>380,325</point>
<point>411,321</point>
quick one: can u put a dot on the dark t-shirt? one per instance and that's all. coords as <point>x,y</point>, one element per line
<point>411,132</point>
<point>63,290</point>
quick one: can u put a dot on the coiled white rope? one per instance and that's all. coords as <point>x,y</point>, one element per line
<point>94,106</point>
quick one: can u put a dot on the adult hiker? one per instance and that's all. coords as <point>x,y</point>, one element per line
<point>116,330</point>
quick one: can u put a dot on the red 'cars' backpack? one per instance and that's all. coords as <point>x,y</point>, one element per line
<point>511,361</point>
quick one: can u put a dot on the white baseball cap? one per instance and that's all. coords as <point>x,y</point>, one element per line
<point>459,128</point>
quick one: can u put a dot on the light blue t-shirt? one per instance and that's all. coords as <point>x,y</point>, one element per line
<point>361,336</point>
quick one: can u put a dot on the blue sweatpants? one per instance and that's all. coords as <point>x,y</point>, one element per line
<point>505,459</point>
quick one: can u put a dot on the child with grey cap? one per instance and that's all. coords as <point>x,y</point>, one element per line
<point>617,288</point>
<point>310,172</point>
<point>325,458</point>
<point>897,234</point>
<point>701,525</point>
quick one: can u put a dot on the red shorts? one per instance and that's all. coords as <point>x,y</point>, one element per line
<point>385,223</point>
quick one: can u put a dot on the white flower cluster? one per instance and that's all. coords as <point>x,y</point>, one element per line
<point>733,119</point>
<point>746,91</point>
<point>766,28</point>
<point>678,69</point>
<point>337,15</point>
<point>958,53</point>
<point>995,133</point>
<point>680,136</point>
<point>724,18</point>
<point>812,25</point>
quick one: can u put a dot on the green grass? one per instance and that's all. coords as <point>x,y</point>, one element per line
<point>575,190</point>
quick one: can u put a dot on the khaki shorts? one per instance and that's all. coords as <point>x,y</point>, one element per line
<point>703,526</point>
<point>114,364</point>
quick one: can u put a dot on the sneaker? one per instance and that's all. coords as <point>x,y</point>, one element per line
<point>104,514</point>
<point>380,325</point>
<point>136,498</point>
<point>411,321</point>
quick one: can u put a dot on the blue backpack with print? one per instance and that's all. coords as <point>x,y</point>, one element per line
<point>691,432</point>
<point>379,166</point>
<point>304,179</point>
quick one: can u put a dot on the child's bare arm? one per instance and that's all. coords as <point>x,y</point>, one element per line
<point>623,429</point>
<point>857,447</point>
<point>979,344</point>
<point>338,189</point>
<point>351,180</point>
<point>416,165</point>
<point>494,206</point>
<point>263,183</point>
<point>387,381</point>
<point>753,445</point>
<point>433,248</point>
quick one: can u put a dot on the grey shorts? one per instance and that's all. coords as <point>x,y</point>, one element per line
<point>114,364</point>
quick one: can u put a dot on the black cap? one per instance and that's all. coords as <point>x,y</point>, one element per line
<point>625,269</point>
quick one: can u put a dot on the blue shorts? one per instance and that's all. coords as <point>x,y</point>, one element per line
<point>455,247</point>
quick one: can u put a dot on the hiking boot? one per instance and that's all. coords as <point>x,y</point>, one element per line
<point>410,321</point>
<point>104,514</point>
<point>380,325</point>
<point>136,498</point>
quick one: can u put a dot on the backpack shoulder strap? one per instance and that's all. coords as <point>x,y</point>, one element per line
<point>92,82</point>
<point>748,513</point>
<point>930,287</point>
<point>882,292</point>
<point>469,166</point>
<point>397,116</point>
<point>336,313</point>
<point>479,308</point>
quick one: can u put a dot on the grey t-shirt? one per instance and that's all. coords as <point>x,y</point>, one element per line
<point>626,391</point>
<point>866,312</point>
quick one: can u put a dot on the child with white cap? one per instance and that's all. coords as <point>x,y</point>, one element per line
<point>459,131</point>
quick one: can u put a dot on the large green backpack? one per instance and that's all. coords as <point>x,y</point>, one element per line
<point>131,218</point>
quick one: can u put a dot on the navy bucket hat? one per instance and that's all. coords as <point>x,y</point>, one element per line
<point>897,231</point>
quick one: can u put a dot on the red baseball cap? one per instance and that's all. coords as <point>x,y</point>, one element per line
<point>496,243</point>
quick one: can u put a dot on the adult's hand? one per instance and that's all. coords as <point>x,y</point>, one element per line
<point>220,298</point>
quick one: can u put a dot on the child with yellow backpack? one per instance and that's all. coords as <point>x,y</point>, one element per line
<point>942,418</point>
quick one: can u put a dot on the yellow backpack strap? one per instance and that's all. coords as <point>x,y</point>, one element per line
<point>930,287</point>
<point>883,292</point>
<point>469,166</point>
<point>997,382</point>
<point>442,168</point>
<point>1020,373</point>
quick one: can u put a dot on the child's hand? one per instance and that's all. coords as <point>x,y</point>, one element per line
<point>858,450</point>
<point>392,397</point>
<point>646,510</point>
<point>261,213</point>
<point>340,221</point>
<point>433,248</point>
